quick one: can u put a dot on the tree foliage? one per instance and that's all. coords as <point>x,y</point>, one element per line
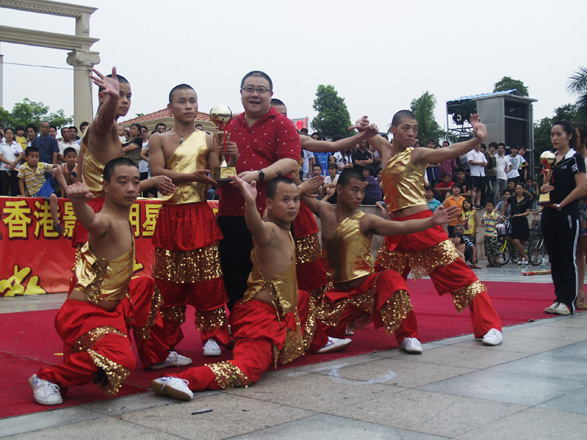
<point>333,116</point>
<point>508,83</point>
<point>30,112</point>
<point>423,109</point>
<point>568,112</point>
<point>578,86</point>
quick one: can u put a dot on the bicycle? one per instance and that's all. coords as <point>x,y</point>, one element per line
<point>505,244</point>
<point>536,247</point>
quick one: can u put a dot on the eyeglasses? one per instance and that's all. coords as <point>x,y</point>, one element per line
<point>260,90</point>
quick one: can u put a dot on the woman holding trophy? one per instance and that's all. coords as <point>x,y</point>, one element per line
<point>564,183</point>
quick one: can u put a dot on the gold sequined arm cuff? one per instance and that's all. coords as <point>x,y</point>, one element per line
<point>229,375</point>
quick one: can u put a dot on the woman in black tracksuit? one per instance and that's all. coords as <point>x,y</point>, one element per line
<point>560,220</point>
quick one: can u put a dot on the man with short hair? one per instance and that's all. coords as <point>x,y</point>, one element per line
<point>67,142</point>
<point>47,145</point>
<point>104,300</point>
<point>187,261</point>
<point>161,127</point>
<point>269,146</point>
<point>517,162</point>
<point>362,158</point>
<point>101,143</point>
<point>502,167</point>
<point>477,162</point>
<point>429,252</point>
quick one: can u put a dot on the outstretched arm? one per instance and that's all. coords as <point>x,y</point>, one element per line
<point>102,124</point>
<point>79,194</point>
<point>255,223</point>
<point>426,155</point>
<point>342,144</point>
<point>380,226</point>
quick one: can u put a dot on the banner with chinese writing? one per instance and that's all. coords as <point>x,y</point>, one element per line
<point>34,259</point>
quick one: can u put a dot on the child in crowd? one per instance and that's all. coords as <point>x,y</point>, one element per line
<point>459,244</point>
<point>432,202</point>
<point>469,221</point>
<point>20,137</point>
<point>32,174</point>
<point>470,248</point>
<point>455,199</point>
<point>461,179</point>
<point>489,221</point>
<point>373,191</point>
<point>328,189</point>
<point>65,175</point>
<point>443,189</point>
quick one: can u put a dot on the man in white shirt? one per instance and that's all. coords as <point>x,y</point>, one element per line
<point>517,162</point>
<point>67,142</point>
<point>477,162</point>
<point>307,164</point>
<point>503,166</point>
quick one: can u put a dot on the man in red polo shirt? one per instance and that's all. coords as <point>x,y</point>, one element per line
<point>269,146</point>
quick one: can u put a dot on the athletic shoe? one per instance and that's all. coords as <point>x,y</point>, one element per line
<point>211,348</point>
<point>411,345</point>
<point>173,360</point>
<point>335,344</point>
<point>493,337</point>
<point>562,310</point>
<point>172,386</point>
<point>45,392</point>
<point>59,228</point>
<point>552,307</point>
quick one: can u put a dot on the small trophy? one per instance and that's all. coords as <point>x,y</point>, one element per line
<point>220,115</point>
<point>546,159</point>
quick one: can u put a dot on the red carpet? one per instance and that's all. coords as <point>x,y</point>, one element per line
<point>29,340</point>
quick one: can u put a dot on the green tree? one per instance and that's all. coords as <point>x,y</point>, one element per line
<point>30,112</point>
<point>333,116</point>
<point>508,83</point>
<point>578,86</point>
<point>423,109</point>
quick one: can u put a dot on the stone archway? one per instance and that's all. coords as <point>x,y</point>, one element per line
<point>80,55</point>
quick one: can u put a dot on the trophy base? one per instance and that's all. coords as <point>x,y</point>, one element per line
<point>544,199</point>
<point>222,174</point>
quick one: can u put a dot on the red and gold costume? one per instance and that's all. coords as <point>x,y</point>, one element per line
<point>380,297</point>
<point>187,262</point>
<point>264,333</point>
<point>311,273</point>
<point>96,342</point>
<point>93,176</point>
<point>429,252</point>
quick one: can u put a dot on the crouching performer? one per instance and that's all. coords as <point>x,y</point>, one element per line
<point>360,294</point>
<point>271,324</point>
<point>104,303</point>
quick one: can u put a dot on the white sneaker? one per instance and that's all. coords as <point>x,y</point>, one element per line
<point>493,337</point>
<point>411,345</point>
<point>173,360</point>
<point>335,344</point>
<point>211,348</point>
<point>172,386</point>
<point>561,309</point>
<point>552,307</point>
<point>45,392</point>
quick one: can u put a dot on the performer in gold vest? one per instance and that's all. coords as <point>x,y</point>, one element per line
<point>429,252</point>
<point>272,323</point>
<point>187,262</point>
<point>360,294</point>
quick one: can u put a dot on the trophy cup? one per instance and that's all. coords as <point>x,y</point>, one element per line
<point>546,159</point>
<point>220,115</point>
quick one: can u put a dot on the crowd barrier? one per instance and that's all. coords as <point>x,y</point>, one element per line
<point>34,259</point>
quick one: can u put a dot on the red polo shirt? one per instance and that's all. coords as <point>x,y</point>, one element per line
<point>271,138</point>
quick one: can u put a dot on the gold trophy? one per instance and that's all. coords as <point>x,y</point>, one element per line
<point>220,115</point>
<point>546,159</point>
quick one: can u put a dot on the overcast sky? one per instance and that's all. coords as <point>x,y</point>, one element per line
<point>378,54</point>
